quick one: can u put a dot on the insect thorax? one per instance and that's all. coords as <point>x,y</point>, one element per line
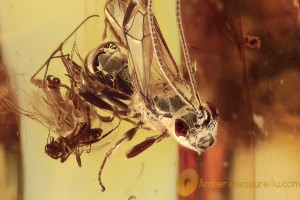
<point>109,65</point>
<point>167,106</point>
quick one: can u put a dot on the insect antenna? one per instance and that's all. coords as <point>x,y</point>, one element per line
<point>159,57</point>
<point>59,48</point>
<point>72,80</point>
<point>48,137</point>
<point>104,36</point>
<point>186,51</point>
<point>48,63</point>
<point>70,72</point>
<point>109,132</point>
<point>76,51</point>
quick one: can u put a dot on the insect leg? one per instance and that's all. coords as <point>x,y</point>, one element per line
<point>106,119</point>
<point>109,132</point>
<point>100,103</point>
<point>116,101</point>
<point>76,51</point>
<point>90,148</point>
<point>116,94</point>
<point>78,154</point>
<point>123,115</point>
<point>48,137</point>
<point>127,137</point>
<point>68,153</point>
<point>139,148</point>
<point>96,100</point>
<point>61,45</point>
<point>41,82</point>
<point>104,36</point>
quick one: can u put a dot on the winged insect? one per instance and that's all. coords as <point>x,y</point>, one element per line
<point>161,95</point>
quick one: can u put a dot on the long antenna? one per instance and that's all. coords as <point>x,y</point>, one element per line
<point>160,60</point>
<point>61,45</point>
<point>186,51</point>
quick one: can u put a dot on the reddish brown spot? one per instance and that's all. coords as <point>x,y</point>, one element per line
<point>131,133</point>
<point>252,41</point>
<point>139,148</point>
<point>181,127</point>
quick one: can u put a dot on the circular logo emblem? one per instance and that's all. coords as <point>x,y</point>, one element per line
<point>187,182</point>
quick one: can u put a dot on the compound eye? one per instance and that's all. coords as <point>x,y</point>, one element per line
<point>56,81</point>
<point>181,127</point>
<point>48,149</point>
<point>52,151</point>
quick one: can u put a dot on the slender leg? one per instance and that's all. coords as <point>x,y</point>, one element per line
<point>76,51</point>
<point>48,136</point>
<point>139,148</point>
<point>41,82</point>
<point>78,154</point>
<point>61,45</point>
<point>100,103</point>
<point>96,100</point>
<point>116,94</point>
<point>104,36</point>
<point>127,137</point>
<point>116,102</point>
<point>106,119</point>
<point>109,132</point>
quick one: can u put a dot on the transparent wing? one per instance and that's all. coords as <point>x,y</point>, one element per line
<point>173,72</point>
<point>165,62</point>
<point>37,109</point>
<point>115,13</point>
<point>139,44</point>
<point>142,66</point>
<point>35,103</point>
<point>128,22</point>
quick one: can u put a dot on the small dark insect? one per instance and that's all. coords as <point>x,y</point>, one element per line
<point>62,147</point>
<point>102,81</point>
<point>63,112</point>
<point>67,115</point>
